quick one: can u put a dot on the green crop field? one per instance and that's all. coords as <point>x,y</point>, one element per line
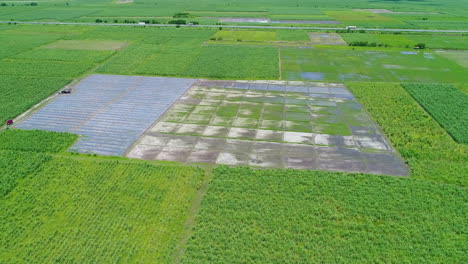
<point>58,206</point>
<point>96,211</point>
<point>410,40</point>
<point>370,65</point>
<point>431,153</point>
<point>245,35</point>
<point>35,141</point>
<point>286,216</point>
<point>432,14</point>
<point>446,104</point>
<point>87,210</point>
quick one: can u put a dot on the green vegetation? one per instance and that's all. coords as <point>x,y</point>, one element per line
<point>18,94</point>
<point>326,39</point>
<point>71,208</point>
<point>96,211</point>
<point>14,166</point>
<point>460,57</point>
<point>366,19</point>
<point>345,64</point>
<point>290,216</point>
<point>238,35</point>
<point>22,154</point>
<point>447,104</point>
<point>35,141</point>
<point>432,41</point>
<point>431,153</point>
<point>86,45</point>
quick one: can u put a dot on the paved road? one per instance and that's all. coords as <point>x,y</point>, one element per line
<point>234,26</point>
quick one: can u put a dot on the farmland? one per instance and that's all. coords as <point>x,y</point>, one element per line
<point>446,104</point>
<point>378,65</point>
<point>106,212</point>
<point>282,216</point>
<point>430,151</point>
<point>410,40</point>
<point>233,145</point>
<point>404,14</point>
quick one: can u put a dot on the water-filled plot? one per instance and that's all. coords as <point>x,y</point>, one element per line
<point>270,124</point>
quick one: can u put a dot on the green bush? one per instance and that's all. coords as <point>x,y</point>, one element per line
<point>177,22</point>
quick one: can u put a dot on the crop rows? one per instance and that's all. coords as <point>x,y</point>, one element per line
<point>292,216</point>
<point>15,166</point>
<point>35,141</point>
<point>447,104</point>
<point>101,212</point>
<point>431,153</point>
<point>18,94</point>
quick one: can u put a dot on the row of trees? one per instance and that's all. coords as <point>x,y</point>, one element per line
<point>27,4</point>
<point>374,44</point>
<point>147,21</point>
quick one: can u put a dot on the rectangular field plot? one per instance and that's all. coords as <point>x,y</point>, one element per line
<point>237,35</point>
<point>270,124</point>
<point>110,112</point>
<point>339,65</point>
<point>327,39</point>
<point>244,20</point>
<point>87,45</point>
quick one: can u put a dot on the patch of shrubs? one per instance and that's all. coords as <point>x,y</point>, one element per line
<point>420,46</point>
<point>367,44</point>
<point>27,4</point>
<point>183,15</point>
<point>177,22</point>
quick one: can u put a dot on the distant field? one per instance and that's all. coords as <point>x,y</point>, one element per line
<point>385,39</point>
<point>460,57</point>
<point>245,35</point>
<point>366,19</point>
<point>42,59</point>
<point>404,14</point>
<point>377,65</point>
<point>326,39</point>
<point>87,45</point>
<point>410,40</point>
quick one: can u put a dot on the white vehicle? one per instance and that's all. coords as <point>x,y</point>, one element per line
<point>141,23</point>
<point>351,27</point>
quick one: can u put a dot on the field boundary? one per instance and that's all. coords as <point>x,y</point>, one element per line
<point>190,222</point>
<point>279,64</point>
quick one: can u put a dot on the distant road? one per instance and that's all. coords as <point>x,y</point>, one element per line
<point>234,26</point>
